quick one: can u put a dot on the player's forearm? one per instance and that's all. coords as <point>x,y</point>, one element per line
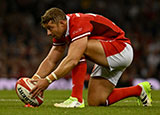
<point>45,68</point>
<point>75,52</point>
<point>65,67</point>
<point>50,62</point>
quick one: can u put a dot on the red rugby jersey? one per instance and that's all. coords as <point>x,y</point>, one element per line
<point>92,25</point>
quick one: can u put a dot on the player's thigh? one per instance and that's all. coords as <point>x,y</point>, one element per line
<point>98,91</point>
<point>95,52</point>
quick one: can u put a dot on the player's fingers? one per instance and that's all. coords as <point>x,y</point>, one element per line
<point>41,93</point>
<point>38,92</point>
<point>33,80</point>
<point>33,90</point>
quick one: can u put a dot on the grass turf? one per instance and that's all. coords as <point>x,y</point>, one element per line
<point>11,105</point>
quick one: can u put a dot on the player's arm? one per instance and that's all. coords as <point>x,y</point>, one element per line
<point>75,52</point>
<point>49,63</point>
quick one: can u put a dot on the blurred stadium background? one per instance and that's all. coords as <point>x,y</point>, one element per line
<point>24,44</point>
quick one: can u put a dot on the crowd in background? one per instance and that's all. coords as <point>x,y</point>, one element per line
<point>24,44</point>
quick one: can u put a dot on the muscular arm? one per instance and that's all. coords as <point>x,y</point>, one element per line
<point>75,52</point>
<point>49,63</point>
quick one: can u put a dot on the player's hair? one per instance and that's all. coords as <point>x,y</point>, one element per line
<point>53,14</point>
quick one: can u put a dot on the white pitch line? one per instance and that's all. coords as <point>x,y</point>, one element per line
<point>12,100</point>
<point>9,99</point>
<point>16,100</point>
<point>58,100</point>
<point>129,101</point>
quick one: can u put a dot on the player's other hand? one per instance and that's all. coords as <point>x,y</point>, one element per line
<point>40,86</point>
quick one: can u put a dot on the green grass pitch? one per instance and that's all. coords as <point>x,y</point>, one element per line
<point>11,105</point>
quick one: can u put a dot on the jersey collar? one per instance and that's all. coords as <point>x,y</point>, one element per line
<point>67,31</point>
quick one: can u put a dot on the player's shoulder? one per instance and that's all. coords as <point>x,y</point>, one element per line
<point>79,17</point>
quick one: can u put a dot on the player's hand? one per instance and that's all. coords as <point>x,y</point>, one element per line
<point>40,86</point>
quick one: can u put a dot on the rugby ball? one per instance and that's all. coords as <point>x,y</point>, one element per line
<point>23,88</point>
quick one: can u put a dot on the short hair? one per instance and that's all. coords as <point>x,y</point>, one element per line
<point>53,14</point>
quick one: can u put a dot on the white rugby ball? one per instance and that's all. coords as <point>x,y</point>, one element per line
<point>23,88</point>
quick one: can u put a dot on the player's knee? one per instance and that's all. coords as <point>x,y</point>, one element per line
<point>96,100</point>
<point>92,102</point>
